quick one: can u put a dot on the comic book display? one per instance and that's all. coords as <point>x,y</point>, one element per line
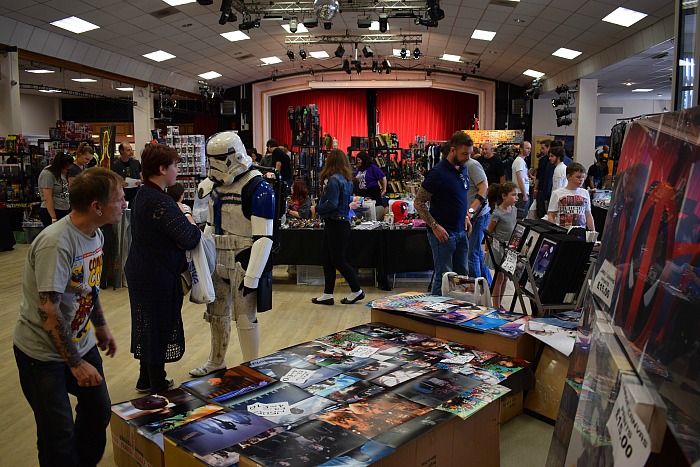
<point>349,398</point>
<point>639,343</point>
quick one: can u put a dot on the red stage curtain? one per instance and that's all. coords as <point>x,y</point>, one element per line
<point>206,125</point>
<point>436,113</point>
<point>343,113</point>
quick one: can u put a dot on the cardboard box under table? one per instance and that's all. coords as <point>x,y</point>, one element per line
<point>131,449</point>
<point>522,347</point>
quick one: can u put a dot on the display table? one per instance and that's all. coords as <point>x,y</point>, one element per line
<point>388,251</point>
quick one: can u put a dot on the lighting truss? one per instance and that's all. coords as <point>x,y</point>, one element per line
<point>70,92</point>
<point>369,38</point>
<point>289,9</point>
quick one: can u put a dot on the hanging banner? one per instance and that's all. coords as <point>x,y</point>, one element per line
<point>107,146</point>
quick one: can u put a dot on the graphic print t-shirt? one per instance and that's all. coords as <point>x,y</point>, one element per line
<point>570,206</point>
<point>65,260</point>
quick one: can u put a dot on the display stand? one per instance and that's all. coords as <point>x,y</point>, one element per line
<point>307,154</point>
<point>193,161</point>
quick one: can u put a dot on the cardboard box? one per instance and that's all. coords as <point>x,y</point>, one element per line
<point>511,406</point>
<point>550,379</point>
<point>404,322</point>
<point>450,444</point>
<point>131,449</point>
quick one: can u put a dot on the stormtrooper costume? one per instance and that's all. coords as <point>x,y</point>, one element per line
<point>241,212</point>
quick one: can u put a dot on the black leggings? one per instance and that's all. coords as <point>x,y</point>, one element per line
<point>45,217</point>
<point>336,236</point>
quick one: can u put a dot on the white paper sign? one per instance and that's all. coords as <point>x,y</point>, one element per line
<point>604,282</point>
<point>459,359</point>
<point>297,376</point>
<point>270,410</point>
<point>131,182</point>
<point>510,261</point>
<point>362,351</point>
<point>628,435</point>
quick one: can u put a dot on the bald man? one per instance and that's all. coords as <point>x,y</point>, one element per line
<point>128,167</point>
<point>493,166</point>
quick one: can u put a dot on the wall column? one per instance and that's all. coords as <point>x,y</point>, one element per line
<point>586,114</point>
<point>143,118</point>
<point>10,110</point>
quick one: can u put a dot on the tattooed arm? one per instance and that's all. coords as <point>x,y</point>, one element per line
<point>105,340</point>
<point>420,204</point>
<point>59,332</point>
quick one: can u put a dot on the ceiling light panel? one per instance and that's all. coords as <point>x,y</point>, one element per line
<point>483,35</point>
<point>375,26</point>
<point>159,56</point>
<point>533,73</point>
<point>84,80</point>
<point>300,29</point>
<point>49,90</point>
<point>624,17</point>
<point>319,54</point>
<point>451,58</point>
<point>209,75</point>
<point>178,2</point>
<point>270,60</point>
<point>567,53</point>
<point>234,36</point>
<point>642,90</point>
<point>75,24</point>
<point>40,71</point>
<point>125,89</point>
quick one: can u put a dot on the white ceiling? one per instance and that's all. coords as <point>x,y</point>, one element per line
<point>129,29</point>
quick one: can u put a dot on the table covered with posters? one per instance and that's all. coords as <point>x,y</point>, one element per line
<point>370,395</point>
<point>389,251</point>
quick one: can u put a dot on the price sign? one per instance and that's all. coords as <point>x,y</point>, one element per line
<point>510,261</point>
<point>362,351</point>
<point>297,376</point>
<point>604,282</point>
<point>628,435</point>
<point>270,410</point>
<point>459,359</point>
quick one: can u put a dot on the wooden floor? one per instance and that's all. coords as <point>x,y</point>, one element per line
<point>293,320</point>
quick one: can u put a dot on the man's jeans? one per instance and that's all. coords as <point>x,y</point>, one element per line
<point>60,441</point>
<point>447,257</point>
<point>477,266</point>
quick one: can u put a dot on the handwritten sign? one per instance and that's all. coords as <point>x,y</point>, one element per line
<point>604,282</point>
<point>510,261</point>
<point>270,410</point>
<point>297,376</point>
<point>628,435</point>
<point>362,351</point>
<point>459,359</point>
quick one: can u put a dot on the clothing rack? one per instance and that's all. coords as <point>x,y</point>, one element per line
<point>638,117</point>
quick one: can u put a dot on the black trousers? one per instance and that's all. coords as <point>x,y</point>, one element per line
<point>45,217</point>
<point>336,235</point>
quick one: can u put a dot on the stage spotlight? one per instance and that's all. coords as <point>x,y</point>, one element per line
<point>375,65</point>
<point>560,101</point>
<point>434,11</point>
<point>367,51</point>
<point>346,66</point>
<point>290,54</point>
<point>302,53</point>
<point>403,52</point>
<point>364,22</point>
<point>232,18</point>
<point>358,67</point>
<point>310,23</point>
<point>293,24</point>
<point>274,77</point>
<point>463,77</point>
<point>561,89</point>
<point>563,112</point>
<point>247,25</point>
<point>224,17</point>
<point>428,72</point>
<point>428,23</point>
<point>478,64</point>
<point>340,51</point>
<point>327,25</point>
<point>386,66</point>
<point>564,121</point>
<point>383,22</point>
<point>416,52</point>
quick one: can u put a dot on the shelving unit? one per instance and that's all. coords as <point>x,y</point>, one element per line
<point>307,154</point>
<point>193,160</point>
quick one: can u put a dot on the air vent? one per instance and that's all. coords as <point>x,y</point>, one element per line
<point>473,54</point>
<point>503,3</point>
<point>611,110</point>
<point>228,108</point>
<point>165,12</point>
<point>518,107</point>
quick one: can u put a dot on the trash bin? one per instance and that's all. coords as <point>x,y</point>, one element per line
<point>31,230</point>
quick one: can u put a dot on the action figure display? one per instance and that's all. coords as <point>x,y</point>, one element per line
<point>241,213</point>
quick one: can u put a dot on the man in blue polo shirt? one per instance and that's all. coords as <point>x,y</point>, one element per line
<point>445,189</point>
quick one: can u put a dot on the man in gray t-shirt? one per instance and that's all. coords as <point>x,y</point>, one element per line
<point>61,325</point>
<point>480,215</point>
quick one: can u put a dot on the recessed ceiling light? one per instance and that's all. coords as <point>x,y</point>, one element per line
<point>84,80</point>
<point>628,84</point>
<point>483,35</point>
<point>125,89</point>
<point>75,24</point>
<point>451,58</point>
<point>567,53</point>
<point>39,71</point>
<point>518,20</point>
<point>300,29</point>
<point>234,36</point>
<point>624,17</point>
<point>49,90</point>
<point>209,75</point>
<point>129,136</point>
<point>270,60</point>
<point>321,54</point>
<point>533,73</point>
<point>178,2</point>
<point>642,90</point>
<point>159,56</point>
<point>493,52</point>
<point>375,26</point>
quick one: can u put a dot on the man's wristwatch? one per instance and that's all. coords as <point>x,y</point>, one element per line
<point>471,212</point>
<point>433,225</point>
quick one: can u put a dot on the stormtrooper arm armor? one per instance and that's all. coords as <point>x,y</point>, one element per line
<point>263,212</point>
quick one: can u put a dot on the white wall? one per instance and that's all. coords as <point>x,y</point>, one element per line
<point>544,120</point>
<point>39,113</point>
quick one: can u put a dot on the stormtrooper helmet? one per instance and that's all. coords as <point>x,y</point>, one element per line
<point>227,157</point>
